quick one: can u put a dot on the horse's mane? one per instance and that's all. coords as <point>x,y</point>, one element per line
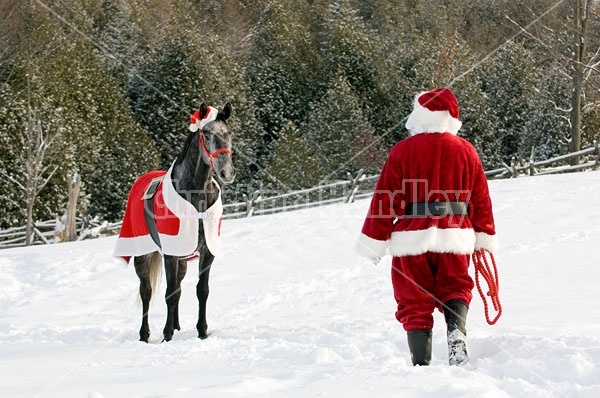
<point>186,147</point>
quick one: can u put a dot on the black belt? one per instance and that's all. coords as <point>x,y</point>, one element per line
<point>148,199</point>
<point>436,209</point>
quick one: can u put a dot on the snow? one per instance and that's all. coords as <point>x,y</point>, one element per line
<point>293,312</point>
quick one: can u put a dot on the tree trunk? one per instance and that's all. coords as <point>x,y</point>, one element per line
<point>29,224</point>
<point>580,24</point>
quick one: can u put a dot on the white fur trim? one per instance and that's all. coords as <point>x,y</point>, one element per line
<point>212,115</point>
<point>136,246</point>
<point>486,241</point>
<point>186,240</point>
<point>212,224</point>
<point>450,240</point>
<point>371,248</point>
<point>422,120</point>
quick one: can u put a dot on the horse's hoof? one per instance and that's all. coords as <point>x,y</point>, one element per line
<point>203,336</point>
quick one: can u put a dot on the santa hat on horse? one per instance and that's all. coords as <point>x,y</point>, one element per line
<point>197,122</point>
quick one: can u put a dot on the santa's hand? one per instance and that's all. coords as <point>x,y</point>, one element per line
<point>369,260</point>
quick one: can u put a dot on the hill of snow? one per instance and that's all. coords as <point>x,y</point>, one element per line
<point>293,312</point>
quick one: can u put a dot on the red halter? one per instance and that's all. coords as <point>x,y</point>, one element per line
<point>212,156</point>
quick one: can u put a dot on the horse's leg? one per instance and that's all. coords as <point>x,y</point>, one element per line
<point>181,271</point>
<point>172,295</point>
<point>204,263</point>
<point>142,269</point>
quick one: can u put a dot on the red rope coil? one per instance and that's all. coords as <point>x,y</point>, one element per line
<point>490,275</point>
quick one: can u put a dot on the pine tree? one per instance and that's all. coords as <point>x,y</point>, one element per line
<point>479,122</point>
<point>13,113</point>
<point>294,164</point>
<point>284,69</point>
<point>333,127</point>
<point>101,137</point>
<point>546,129</point>
<point>72,97</point>
<point>351,49</point>
<point>509,83</point>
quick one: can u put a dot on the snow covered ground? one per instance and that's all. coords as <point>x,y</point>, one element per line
<point>294,313</point>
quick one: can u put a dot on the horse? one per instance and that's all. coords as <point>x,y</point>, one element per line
<point>206,153</point>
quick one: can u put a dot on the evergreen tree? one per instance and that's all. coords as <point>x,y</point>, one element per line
<point>333,127</point>
<point>101,137</point>
<point>294,165</point>
<point>284,69</point>
<point>479,122</point>
<point>167,92</point>
<point>13,113</point>
<point>117,32</point>
<point>547,127</point>
<point>73,99</point>
<point>351,49</point>
<point>509,83</point>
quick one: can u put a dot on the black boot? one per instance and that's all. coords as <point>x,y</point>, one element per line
<point>419,343</point>
<point>455,312</point>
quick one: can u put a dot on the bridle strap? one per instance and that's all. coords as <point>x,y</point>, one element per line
<point>212,156</point>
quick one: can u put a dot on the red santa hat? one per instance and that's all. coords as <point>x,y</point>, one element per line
<point>434,112</point>
<point>197,123</point>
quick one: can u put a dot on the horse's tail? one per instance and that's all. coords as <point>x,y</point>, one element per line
<point>154,274</point>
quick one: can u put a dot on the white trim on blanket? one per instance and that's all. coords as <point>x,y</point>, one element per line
<point>185,242</point>
<point>137,246</point>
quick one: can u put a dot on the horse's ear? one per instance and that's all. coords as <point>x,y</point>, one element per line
<point>226,111</point>
<point>203,111</point>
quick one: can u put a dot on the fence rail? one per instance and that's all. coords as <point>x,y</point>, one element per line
<point>590,156</point>
<point>355,187</point>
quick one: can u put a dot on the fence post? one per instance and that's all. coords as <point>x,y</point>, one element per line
<point>355,185</point>
<point>532,161</point>
<point>39,234</point>
<point>252,202</point>
<point>597,153</point>
<point>73,188</point>
<point>513,165</point>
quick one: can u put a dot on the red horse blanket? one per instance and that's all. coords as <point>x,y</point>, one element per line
<point>176,219</point>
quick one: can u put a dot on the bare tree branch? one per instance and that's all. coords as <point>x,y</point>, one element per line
<point>13,180</point>
<point>527,33</point>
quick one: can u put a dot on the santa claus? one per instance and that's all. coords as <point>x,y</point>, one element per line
<point>431,210</point>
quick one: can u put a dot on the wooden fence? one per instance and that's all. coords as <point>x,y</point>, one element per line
<point>47,232</point>
<point>259,203</point>
<point>589,159</point>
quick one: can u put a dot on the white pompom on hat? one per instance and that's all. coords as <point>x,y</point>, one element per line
<point>434,112</point>
<point>197,123</point>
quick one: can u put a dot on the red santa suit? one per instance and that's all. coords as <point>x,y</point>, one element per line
<point>430,253</point>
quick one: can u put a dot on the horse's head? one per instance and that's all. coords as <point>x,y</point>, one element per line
<point>215,143</point>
